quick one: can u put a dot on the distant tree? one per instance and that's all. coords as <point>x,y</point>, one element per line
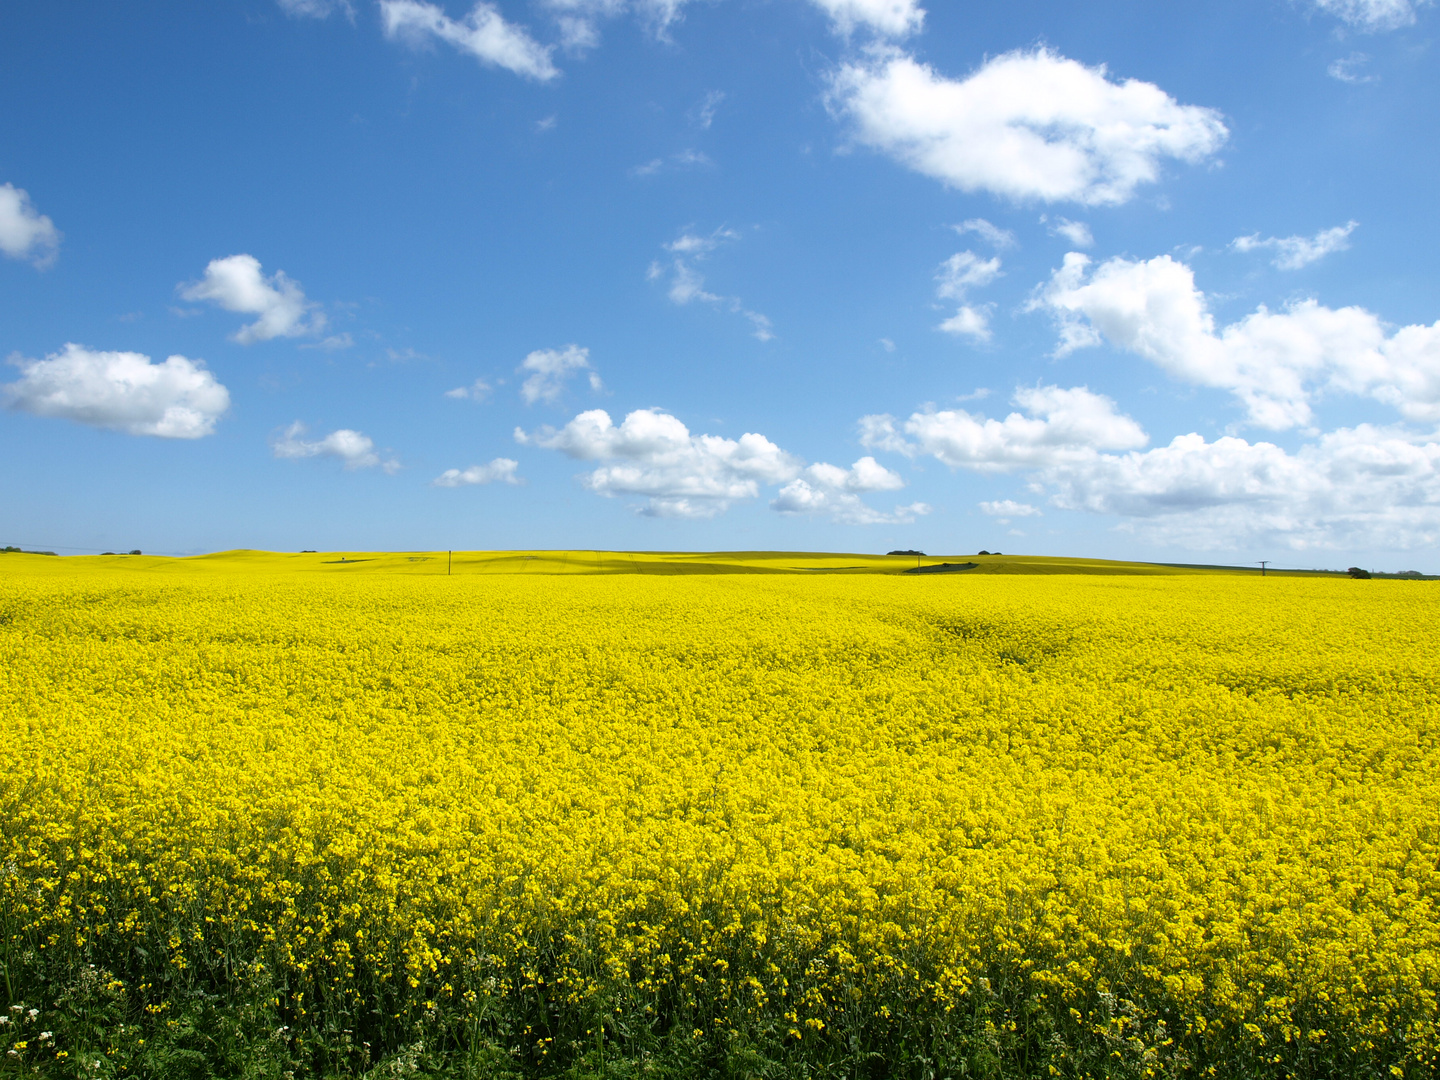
<point>136,551</point>
<point>1356,572</point>
<point>919,554</point>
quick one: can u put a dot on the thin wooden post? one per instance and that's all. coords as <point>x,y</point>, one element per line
<point>448,556</point>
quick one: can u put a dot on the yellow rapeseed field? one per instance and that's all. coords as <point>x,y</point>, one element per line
<point>856,821</point>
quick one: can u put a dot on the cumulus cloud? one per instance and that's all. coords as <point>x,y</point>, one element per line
<point>479,390</point>
<point>687,283</point>
<point>354,449</point>
<point>500,470</point>
<point>1026,126</point>
<point>993,235</point>
<point>236,283</point>
<point>483,34</point>
<point>843,508</point>
<point>1373,15</point>
<point>1273,362</point>
<point>1055,425</point>
<point>958,274</point>
<point>1293,252</point>
<point>123,391</point>
<point>1366,486</point>
<point>969,321</point>
<point>834,492</point>
<point>653,454</point>
<point>25,233</point>
<point>550,369</point>
<point>885,18</point>
<point>1075,233</point>
<point>963,271</point>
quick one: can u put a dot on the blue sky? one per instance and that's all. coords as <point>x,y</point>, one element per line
<point>1124,280</point>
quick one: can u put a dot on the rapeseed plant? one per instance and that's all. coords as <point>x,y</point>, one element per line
<point>1101,826</point>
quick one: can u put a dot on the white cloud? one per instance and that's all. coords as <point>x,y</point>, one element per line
<point>333,343</point>
<point>124,391</point>
<point>886,18</point>
<point>958,274</point>
<point>1273,362</point>
<point>703,115</point>
<point>1026,125</point>
<point>969,321</point>
<point>354,449</point>
<point>963,271</point>
<point>993,235</point>
<point>1056,425</point>
<point>315,9</point>
<point>653,454</point>
<point>835,492</point>
<point>802,497</point>
<point>1009,508</point>
<point>680,159</point>
<point>1373,15</point>
<point>1293,252</point>
<point>236,283</point>
<point>692,244</point>
<point>550,369</point>
<point>501,470</point>
<point>578,19</point>
<point>867,474</point>
<point>1367,487</point>
<point>1347,69</point>
<point>687,284</point>
<point>25,233</point>
<point>1076,233</point>
<point>479,390</point>
<point>484,34</point>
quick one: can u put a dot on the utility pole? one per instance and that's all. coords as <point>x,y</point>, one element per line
<point>448,556</point>
<point>1263,564</point>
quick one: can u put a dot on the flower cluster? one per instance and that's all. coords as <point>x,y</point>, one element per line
<point>1172,822</point>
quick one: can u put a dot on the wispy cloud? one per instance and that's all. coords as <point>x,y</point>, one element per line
<point>687,283</point>
<point>483,34</point>
<point>1293,252</point>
